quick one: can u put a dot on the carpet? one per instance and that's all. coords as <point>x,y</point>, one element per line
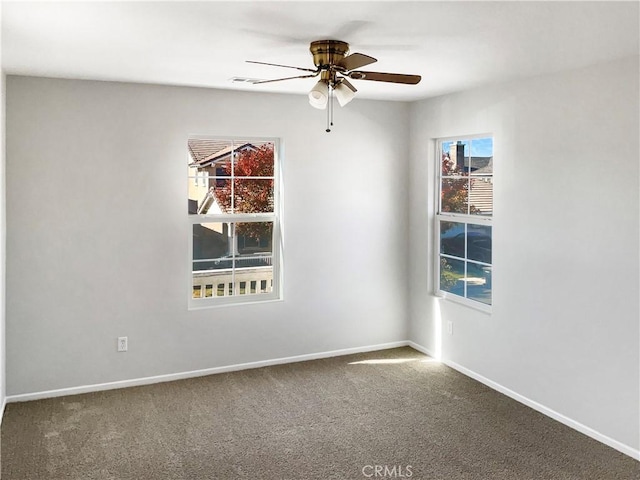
<point>388,414</point>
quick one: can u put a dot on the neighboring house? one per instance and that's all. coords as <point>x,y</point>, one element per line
<point>207,159</point>
<point>481,195</point>
<point>206,152</point>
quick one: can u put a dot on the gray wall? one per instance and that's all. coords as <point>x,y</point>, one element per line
<point>564,329</point>
<point>97,234</point>
<point>3,238</point>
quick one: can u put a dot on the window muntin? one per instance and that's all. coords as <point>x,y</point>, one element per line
<point>233,212</point>
<point>464,219</point>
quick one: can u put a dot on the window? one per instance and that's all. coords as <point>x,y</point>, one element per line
<point>234,220</point>
<point>464,220</point>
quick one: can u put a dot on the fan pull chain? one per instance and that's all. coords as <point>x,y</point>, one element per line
<point>332,103</point>
<point>329,110</point>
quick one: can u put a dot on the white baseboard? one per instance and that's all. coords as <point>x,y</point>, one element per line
<point>2,407</point>
<point>590,432</point>
<point>25,397</point>
<point>421,349</point>
<point>627,450</point>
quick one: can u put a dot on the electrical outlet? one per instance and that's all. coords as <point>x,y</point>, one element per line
<point>450,327</point>
<point>123,344</point>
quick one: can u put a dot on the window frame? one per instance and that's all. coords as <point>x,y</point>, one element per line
<point>228,218</point>
<point>464,218</point>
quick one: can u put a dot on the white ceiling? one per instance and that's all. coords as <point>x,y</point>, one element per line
<point>453,45</point>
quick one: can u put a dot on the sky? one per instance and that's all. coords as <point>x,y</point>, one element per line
<point>480,147</point>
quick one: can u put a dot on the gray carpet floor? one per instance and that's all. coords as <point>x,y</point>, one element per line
<point>335,418</point>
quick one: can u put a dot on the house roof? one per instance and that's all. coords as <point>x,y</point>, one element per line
<point>200,148</point>
<point>480,164</point>
<point>477,165</point>
<point>205,151</point>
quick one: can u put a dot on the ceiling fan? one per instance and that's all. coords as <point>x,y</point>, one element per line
<point>335,65</point>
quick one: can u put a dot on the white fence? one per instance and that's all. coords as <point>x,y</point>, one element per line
<point>227,281</point>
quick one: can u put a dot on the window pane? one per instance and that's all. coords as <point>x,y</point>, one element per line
<point>445,146</point>
<point>254,238</point>
<point>455,157</point>
<point>211,246</point>
<point>214,261</point>
<point>253,195</point>
<point>212,258</point>
<point>452,238</point>
<point>452,275</point>
<point>481,196</point>
<point>479,243</point>
<point>197,193</point>
<point>219,198</point>
<point>206,160</point>
<point>454,195</point>
<point>254,159</point>
<point>254,260</point>
<point>479,283</point>
<point>208,192</point>
<point>481,161</point>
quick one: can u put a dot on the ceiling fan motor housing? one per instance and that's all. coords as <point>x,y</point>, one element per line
<point>328,53</point>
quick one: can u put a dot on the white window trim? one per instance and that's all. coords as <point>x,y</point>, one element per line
<point>276,293</point>
<point>457,217</point>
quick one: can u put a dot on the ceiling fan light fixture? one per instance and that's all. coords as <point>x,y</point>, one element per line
<point>344,94</point>
<point>336,65</point>
<point>319,95</point>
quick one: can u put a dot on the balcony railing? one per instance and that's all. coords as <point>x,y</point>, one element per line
<point>217,278</point>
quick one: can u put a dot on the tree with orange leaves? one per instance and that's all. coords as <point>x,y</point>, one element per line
<point>252,190</point>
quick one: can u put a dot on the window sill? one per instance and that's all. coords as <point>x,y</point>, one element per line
<point>231,302</point>
<point>480,307</point>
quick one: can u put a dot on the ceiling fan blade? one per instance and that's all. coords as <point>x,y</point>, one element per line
<point>348,84</point>
<point>286,78</point>
<point>385,77</point>
<point>356,60</point>
<point>285,66</point>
